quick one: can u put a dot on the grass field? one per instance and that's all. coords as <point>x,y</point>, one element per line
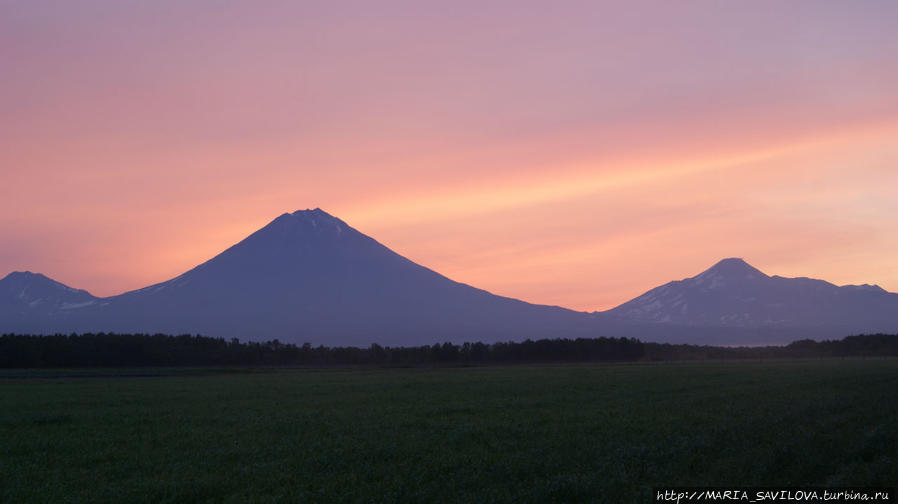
<point>590,433</point>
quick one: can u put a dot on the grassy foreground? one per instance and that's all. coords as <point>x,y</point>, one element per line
<point>590,433</point>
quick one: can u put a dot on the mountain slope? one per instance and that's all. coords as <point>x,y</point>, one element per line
<point>308,276</point>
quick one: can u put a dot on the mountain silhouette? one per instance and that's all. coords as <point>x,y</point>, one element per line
<point>31,302</point>
<point>733,298</point>
<point>310,277</point>
<point>307,276</point>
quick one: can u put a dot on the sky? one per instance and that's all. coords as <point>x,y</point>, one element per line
<point>565,153</point>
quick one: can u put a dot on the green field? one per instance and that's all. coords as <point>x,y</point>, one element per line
<point>576,433</point>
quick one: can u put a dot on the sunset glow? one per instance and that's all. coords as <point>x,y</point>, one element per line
<point>572,154</point>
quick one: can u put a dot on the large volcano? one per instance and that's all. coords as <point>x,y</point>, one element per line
<point>308,276</point>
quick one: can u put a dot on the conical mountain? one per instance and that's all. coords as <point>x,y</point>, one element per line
<point>308,276</point>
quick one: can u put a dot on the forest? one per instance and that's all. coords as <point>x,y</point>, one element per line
<point>125,350</point>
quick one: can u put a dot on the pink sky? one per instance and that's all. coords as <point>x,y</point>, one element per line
<point>573,153</point>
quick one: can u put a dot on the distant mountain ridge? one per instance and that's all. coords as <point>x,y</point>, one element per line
<point>733,297</point>
<point>30,291</point>
<point>307,276</point>
<point>734,293</point>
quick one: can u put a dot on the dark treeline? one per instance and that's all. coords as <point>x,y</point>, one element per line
<point>103,349</point>
<point>127,350</point>
<point>864,345</point>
